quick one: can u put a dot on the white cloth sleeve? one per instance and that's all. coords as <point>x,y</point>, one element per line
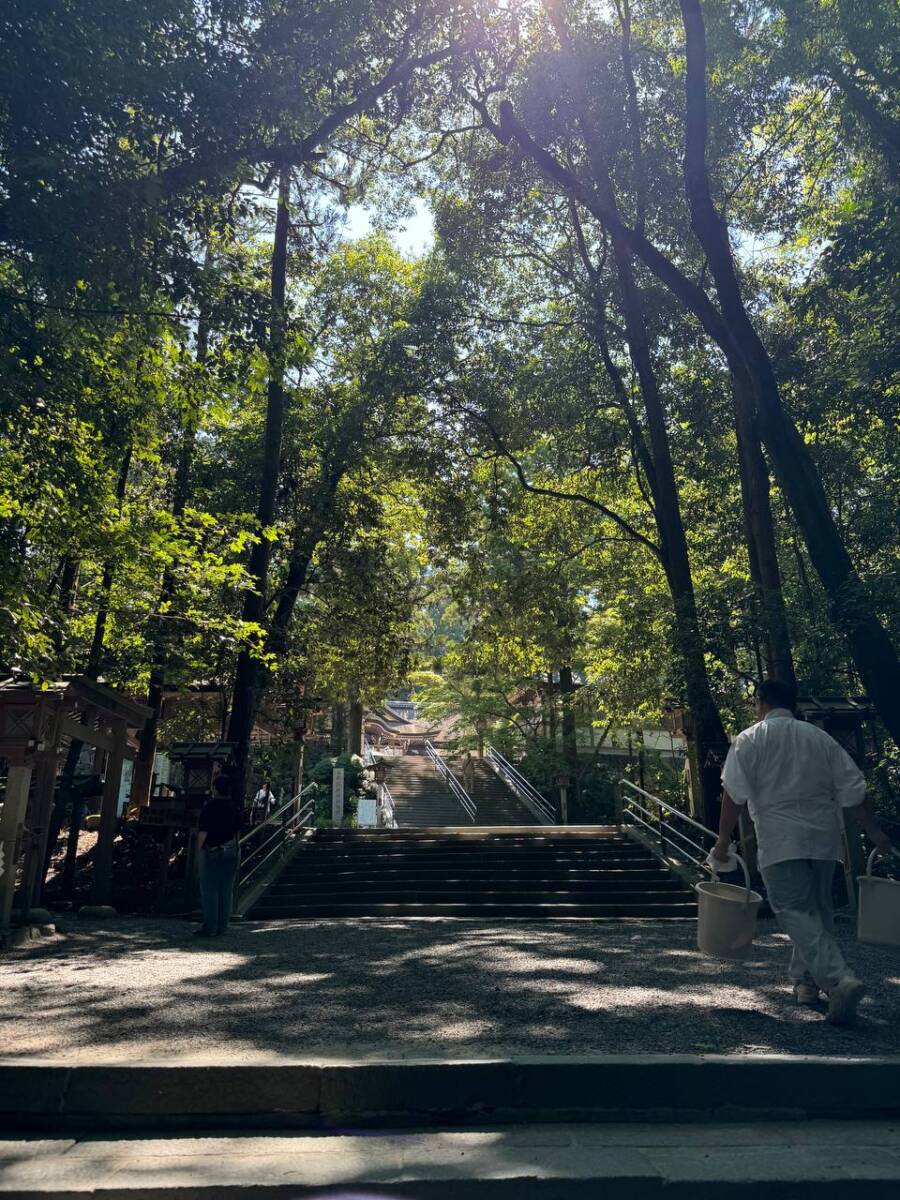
<point>847,779</point>
<point>737,774</point>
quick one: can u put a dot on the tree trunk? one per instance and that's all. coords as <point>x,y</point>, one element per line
<point>95,657</point>
<point>355,728</point>
<point>569,722</point>
<point>852,609</point>
<point>851,605</point>
<point>94,663</point>
<point>551,709</point>
<point>712,741</point>
<point>245,696</point>
<point>762,549</point>
<point>142,778</point>
<point>299,749</point>
<point>65,585</point>
<point>338,728</point>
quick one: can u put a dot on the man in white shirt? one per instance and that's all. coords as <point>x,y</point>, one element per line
<point>795,779</point>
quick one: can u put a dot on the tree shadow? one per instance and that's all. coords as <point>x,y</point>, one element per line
<point>408,988</point>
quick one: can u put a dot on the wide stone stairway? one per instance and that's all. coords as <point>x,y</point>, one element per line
<point>474,872</point>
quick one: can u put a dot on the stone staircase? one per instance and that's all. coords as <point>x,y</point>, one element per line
<point>480,872</point>
<point>497,805</point>
<point>421,798</point>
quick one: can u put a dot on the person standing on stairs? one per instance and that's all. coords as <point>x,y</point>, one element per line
<point>264,803</point>
<point>795,779</point>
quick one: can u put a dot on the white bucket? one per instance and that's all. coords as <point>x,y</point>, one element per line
<point>878,913</point>
<point>726,917</point>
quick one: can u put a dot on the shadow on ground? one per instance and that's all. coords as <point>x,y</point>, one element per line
<point>136,988</point>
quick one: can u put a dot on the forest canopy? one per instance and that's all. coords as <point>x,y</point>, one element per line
<point>623,424</point>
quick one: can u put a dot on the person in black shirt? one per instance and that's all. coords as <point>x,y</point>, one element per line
<point>217,843</point>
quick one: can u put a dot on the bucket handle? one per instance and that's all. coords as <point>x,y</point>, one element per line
<point>876,853</point>
<point>737,858</point>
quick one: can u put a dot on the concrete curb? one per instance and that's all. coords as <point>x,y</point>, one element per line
<point>390,1094</point>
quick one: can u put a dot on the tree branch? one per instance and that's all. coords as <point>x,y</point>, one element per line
<point>555,493</point>
<point>305,150</point>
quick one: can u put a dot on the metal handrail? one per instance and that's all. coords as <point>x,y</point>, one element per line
<point>516,782</point>
<point>388,816</point>
<point>283,826</point>
<point>368,754</point>
<point>452,782</point>
<point>664,828</point>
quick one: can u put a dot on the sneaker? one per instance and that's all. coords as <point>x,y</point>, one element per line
<point>806,993</point>
<point>843,1000</point>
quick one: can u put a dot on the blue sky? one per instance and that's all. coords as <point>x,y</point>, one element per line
<point>413,237</point>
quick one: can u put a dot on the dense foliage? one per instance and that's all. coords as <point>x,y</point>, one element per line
<point>522,469</point>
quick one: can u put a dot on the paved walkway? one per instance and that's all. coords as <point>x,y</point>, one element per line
<point>613,1161</point>
<point>131,989</point>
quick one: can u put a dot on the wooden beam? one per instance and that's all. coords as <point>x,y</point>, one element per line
<point>98,738</point>
<point>112,703</point>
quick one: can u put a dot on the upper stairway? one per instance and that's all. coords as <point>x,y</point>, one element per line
<point>421,798</point>
<point>476,872</point>
<point>496,804</point>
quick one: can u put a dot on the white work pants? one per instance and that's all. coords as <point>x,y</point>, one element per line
<point>800,894</point>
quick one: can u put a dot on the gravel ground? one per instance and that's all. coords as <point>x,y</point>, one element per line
<point>134,989</point>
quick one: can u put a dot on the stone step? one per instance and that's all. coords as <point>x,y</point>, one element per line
<point>566,833</point>
<point>461,870</point>
<point>486,863</point>
<point>301,886</point>
<point>392,1093</point>
<point>438,891</point>
<point>366,906</point>
<point>475,853</point>
<point>535,845</point>
<point>513,875</point>
<point>539,1162</point>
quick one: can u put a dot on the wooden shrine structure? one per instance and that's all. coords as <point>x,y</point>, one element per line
<point>37,724</point>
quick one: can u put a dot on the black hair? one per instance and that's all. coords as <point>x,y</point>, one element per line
<point>776,693</point>
<point>222,785</point>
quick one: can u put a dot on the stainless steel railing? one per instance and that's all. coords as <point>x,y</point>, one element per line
<point>274,836</point>
<point>675,834</point>
<point>539,805</point>
<point>471,809</point>
<point>388,817</point>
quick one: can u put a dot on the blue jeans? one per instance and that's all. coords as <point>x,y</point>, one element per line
<point>800,894</point>
<point>218,867</point>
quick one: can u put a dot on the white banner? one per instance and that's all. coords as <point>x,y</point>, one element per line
<point>367,813</point>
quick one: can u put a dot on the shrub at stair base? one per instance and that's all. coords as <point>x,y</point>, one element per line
<point>358,782</point>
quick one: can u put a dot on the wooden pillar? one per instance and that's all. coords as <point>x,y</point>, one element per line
<point>109,816</point>
<point>299,747</point>
<point>12,822</point>
<point>46,763</point>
